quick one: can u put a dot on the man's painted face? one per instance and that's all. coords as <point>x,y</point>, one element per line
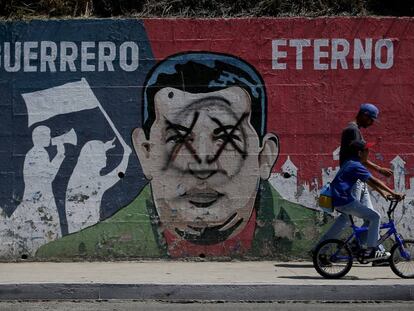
<point>203,162</point>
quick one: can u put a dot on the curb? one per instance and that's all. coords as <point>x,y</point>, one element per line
<point>206,292</point>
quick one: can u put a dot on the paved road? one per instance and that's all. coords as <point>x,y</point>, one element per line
<point>158,306</point>
<point>201,281</point>
<point>181,272</point>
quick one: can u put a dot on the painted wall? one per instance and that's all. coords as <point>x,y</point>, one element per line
<point>176,138</point>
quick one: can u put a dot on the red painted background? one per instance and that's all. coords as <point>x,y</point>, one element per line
<point>308,108</point>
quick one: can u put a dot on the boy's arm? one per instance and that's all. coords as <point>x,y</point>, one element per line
<point>382,188</point>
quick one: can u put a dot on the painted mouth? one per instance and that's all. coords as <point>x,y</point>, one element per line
<point>210,235</point>
<point>202,197</point>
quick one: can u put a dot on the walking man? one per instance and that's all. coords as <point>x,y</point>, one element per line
<point>366,117</point>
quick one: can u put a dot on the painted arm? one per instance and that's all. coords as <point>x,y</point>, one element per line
<point>59,157</point>
<point>127,149</point>
<point>121,168</point>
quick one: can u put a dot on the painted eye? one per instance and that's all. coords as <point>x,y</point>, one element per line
<point>218,138</point>
<point>178,139</point>
<point>229,142</point>
<point>174,139</point>
<point>228,137</point>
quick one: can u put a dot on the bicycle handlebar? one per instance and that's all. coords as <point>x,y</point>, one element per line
<point>392,198</point>
<point>393,204</point>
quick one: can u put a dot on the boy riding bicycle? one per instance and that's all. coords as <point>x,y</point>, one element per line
<point>344,200</point>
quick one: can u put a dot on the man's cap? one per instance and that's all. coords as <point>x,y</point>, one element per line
<point>370,110</point>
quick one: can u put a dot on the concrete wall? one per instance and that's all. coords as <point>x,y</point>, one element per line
<point>184,138</point>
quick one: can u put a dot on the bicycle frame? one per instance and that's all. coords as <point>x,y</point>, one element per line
<point>357,231</point>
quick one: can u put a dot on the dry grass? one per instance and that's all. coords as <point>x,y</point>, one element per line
<point>16,9</point>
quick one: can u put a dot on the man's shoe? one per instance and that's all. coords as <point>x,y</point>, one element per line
<point>381,263</point>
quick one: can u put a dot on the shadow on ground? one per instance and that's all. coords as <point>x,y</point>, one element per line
<point>293,265</point>
<point>350,277</point>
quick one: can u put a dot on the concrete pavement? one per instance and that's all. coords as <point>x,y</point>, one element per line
<point>180,280</point>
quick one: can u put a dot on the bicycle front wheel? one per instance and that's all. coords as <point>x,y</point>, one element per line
<point>332,259</point>
<point>402,259</point>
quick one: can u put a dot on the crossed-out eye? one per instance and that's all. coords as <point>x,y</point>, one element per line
<point>223,137</point>
<point>229,140</point>
<point>179,138</point>
<point>228,135</point>
<point>183,136</point>
<point>174,139</point>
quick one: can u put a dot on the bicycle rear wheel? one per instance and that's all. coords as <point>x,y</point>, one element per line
<point>402,259</point>
<point>332,259</point>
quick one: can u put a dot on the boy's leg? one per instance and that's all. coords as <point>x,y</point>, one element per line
<point>366,200</point>
<point>357,209</point>
<point>342,221</point>
<point>334,232</point>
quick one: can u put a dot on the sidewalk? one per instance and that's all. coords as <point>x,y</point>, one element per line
<point>178,280</point>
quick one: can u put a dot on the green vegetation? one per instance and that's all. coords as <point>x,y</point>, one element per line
<point>17,9</point>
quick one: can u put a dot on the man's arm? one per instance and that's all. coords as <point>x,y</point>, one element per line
<point>382,170</point>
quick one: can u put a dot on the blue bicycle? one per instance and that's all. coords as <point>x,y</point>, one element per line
<point>333,258</point>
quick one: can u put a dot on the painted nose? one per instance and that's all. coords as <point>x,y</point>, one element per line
<point>203,167</point>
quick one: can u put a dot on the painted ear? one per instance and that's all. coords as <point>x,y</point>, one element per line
<point>268,155</point>
<point>142,148</point>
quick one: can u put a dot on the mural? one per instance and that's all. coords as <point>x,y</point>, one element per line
<point>169,140</point>
<point>204,149</point>
<point>201,152</point>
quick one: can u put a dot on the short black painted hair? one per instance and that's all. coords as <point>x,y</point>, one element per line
<point>204,72</point>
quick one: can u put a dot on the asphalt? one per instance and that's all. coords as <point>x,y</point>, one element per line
<point>197,281</point>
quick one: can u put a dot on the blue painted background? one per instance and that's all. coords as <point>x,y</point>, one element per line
<point>119,92</point>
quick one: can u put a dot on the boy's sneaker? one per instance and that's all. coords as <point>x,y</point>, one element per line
<point>376,254</point>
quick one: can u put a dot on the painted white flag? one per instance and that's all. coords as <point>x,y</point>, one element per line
<point>66,98</point>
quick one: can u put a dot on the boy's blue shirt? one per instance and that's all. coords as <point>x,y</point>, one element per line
<point>345,179</point>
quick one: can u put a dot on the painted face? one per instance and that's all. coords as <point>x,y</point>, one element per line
<point>203,160</point>
<point>41,136</point>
